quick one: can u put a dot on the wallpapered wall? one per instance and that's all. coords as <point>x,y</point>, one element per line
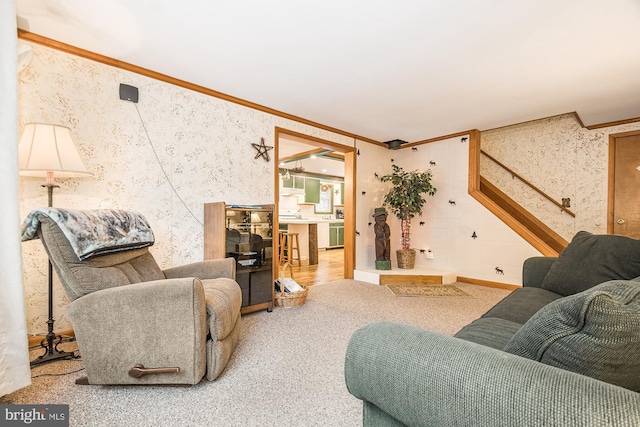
<point>561,158</point>
<point>203,144</point>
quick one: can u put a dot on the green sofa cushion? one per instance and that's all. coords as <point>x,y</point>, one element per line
<point>595,333</point>
<point>491,332</point>
<point>591,259</point>
<point>521,304</point>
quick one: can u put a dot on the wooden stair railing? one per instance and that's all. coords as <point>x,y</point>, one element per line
<point>527,226</point>
<point>550,239</point>
<point>527,183</point>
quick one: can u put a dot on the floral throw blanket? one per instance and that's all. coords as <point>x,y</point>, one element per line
<point>94,232</point>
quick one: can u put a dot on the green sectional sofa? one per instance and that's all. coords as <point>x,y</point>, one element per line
<point>563,350</point>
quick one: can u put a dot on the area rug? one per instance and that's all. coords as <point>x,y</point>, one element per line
<point>427,291</point>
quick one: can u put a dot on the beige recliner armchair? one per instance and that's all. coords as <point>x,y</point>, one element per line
<point>136,323</point>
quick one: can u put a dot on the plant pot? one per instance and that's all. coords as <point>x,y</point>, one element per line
<point>406,258</point>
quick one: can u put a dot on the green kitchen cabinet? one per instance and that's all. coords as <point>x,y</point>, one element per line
<point>333,237</point>
<point>311,190</point>
<point>336,234</point>
<point>294,181</point>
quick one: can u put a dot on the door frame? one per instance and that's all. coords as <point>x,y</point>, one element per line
<point>349,190</point>
<point>612,169</point>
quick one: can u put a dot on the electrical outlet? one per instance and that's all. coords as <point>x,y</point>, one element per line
<point>429,254</point>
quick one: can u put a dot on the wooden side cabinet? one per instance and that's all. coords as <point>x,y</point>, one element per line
<point>246,234</point>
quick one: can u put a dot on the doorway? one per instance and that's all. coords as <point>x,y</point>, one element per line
<point>349,155</point>
<point>624,180</point>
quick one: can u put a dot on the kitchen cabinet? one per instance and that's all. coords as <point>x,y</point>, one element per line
<point>336,234</point>
<point>294,181</point>
<point>311,190</point>
<point>246,234</point>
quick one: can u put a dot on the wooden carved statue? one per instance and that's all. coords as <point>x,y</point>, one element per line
<point>383,233</point>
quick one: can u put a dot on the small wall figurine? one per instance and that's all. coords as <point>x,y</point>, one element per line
<point>383,241</point>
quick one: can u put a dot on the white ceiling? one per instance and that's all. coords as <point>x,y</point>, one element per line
<point>382,69</point>
<point>291,146</point>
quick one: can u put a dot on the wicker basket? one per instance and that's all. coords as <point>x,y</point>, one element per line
<point>289,299</point>
<point>406,258</point>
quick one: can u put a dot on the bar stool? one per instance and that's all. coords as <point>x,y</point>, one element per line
<point>291,243</point>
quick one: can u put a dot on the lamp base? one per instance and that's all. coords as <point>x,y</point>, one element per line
<point>51,351</point>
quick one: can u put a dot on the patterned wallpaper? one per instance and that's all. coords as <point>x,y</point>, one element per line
<point>203,144</point>
<point>561,158</point>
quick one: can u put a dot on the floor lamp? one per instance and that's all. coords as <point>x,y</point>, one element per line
<point>46,150</point>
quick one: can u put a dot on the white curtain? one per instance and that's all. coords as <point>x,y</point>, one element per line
<point>14,354</point>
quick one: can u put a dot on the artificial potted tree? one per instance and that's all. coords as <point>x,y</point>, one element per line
<point>405,200</point>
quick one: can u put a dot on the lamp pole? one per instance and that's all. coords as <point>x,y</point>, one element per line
<point>49,343</point>
<point>45,149</point>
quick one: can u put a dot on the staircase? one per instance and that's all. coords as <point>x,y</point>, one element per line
<point>527,226</point>
<point>533,230</point>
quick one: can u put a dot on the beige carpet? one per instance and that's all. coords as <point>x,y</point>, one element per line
<point>286,371</point>
<point>427,291</point>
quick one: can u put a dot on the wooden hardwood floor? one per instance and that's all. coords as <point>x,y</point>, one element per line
<point>330,268</point>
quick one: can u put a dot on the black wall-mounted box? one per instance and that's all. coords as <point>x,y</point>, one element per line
<point>128,93</point>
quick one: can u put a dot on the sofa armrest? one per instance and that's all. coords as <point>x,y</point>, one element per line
<point>157,324</point>
<point>418,377</point>
<point>209,269</point>
<point>534,270</point>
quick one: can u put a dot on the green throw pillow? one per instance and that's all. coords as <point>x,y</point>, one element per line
<point>591,259</point>
<point>594,333</point>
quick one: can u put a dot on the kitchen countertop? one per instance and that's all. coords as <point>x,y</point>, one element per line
<point>307,221</point>
<point>307,230</point>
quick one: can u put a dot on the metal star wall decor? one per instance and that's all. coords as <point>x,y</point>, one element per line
<point>262,149</point>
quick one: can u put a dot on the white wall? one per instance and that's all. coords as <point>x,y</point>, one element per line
<point>371,160</point>
<point>448,227</point>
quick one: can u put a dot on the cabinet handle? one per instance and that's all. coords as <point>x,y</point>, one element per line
<point>620,221</point>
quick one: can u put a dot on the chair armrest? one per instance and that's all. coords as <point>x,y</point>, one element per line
<point>209,269</point>
<point>534,270</point>
<point>423,378</point>
<point>157,324</point>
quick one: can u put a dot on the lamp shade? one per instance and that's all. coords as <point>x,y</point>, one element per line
<point>46,149</point>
